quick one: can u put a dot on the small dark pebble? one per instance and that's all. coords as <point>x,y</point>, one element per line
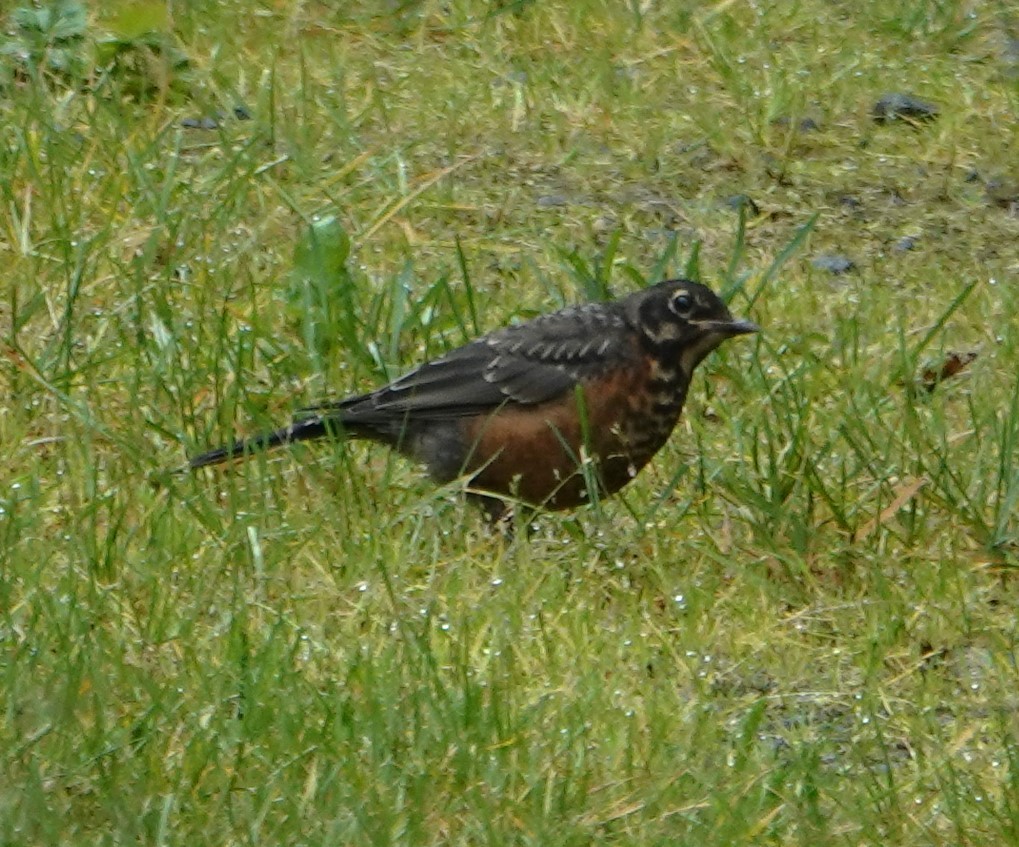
<point>199,123</point>
<point>743,201</point>
<point>833,263</point>
<point>214,120</point>
<point>893,106</point>
<point>905,244</point>
<point>549,201</point>
<point>803,125</point>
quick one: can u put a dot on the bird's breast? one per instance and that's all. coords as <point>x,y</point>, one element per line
<point>548,453</point>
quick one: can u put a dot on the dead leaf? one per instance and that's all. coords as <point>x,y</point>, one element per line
<point>952,365</point>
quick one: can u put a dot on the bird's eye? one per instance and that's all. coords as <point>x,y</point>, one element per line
<point>682,302</point>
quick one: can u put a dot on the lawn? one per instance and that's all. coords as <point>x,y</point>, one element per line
<point>797,626</point>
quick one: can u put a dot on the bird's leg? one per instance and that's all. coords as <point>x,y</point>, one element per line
<point>500,516</point>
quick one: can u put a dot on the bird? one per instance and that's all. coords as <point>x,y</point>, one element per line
<point>538,412</point>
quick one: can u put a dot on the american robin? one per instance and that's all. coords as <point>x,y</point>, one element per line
<point>540,411</point>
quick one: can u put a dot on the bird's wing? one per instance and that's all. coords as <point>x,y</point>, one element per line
<point>523,365</point>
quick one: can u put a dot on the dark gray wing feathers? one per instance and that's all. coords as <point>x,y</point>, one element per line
<point>527,364</point>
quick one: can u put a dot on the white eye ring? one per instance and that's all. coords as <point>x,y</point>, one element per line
<point>682,302</point>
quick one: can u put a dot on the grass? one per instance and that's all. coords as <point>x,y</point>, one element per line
<point>797,627</point>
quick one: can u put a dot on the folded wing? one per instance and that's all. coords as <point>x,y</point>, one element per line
<point>524,365</point>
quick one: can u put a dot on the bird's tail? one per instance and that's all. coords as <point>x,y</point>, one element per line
<point>305,429</point>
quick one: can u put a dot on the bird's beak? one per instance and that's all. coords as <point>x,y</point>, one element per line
<point>735,327</point>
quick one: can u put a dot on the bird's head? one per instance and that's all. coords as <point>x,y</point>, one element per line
<point>687,319</point>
